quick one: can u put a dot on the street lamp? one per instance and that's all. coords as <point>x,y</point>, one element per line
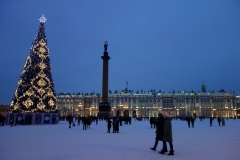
<point>80,106</point>
<point>120,106</point>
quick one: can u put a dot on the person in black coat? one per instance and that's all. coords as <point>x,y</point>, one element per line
<point>96,121</point>
<point>11,121</point>
<point>151,121</point>
<point>188,121</point>
<point>159,131</point>
<point>117,126</point>
<point>114,123</point>
<point>84,120</point>
<point>70,120</point>
<point>211,121</point>
<point>219,121</point>
<point>192,121</point>
<point>109,124</point>
<point>79,119</point>
<point>2,119</point>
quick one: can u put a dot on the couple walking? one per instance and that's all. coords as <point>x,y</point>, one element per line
<point>164,133</point>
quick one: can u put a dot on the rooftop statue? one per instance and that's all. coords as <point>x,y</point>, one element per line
<point>105,46</point>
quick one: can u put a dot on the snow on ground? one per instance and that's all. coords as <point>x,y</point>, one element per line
<point>58,142</point>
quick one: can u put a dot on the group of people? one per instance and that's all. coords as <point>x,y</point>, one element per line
<point>153,122</point>
<point>114,124</point>
<point>191,120</point>
<point>86,121</point>
<point>219,121</point>
<point>164,133</point>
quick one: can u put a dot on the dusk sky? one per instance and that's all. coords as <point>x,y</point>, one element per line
<point>162,45</point>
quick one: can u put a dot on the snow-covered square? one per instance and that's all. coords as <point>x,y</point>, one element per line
<point>58,142</point>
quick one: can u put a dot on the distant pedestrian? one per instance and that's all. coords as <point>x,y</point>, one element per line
<point>109,124</point>
<point>211,119</point>
<point>84,120</point>
<point>11,121</point>
<point>167,136</point>
<point>130,120</point>
<point>151,121</point>
<point>117,126</point>
<point>219,121</point>
<point>96,121</point>
<point>188,121</point>
<point>70,120</point>
<point>223,121</point>
<point>192,121</point>
<point>79,119</point>
<point>114,123</point>
<point>120,120</point>
<point>2,119</point>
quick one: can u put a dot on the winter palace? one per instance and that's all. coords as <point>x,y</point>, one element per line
<point>149,104</point>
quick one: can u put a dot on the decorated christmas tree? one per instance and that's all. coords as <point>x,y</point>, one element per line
<point>35,91</point>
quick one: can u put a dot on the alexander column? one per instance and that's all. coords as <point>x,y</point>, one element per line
<point>104,107</point>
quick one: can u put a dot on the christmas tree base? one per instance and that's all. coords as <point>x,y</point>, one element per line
<point>32,118</point>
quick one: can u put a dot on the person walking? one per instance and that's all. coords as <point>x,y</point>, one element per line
<point>11,121</point>
<point>188,121</point>
<point>96,121</point>
<point>2,119</point>
<point>223,121</point>
<point>70,120</point>
<point>79,119</point>
<point>117,126</point>
<point>151,121</point>
<point>211,119</point>
<point>167,136</point>
<point>114,124</point>
<point>159,132</point>
<point>192,121</point>
<point>84,120</point>
<point>219,121</point>
<point>109,125</point>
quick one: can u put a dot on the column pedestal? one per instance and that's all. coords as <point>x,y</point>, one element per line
<point>104,109</point>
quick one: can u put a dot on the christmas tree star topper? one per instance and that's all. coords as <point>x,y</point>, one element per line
<point>42,19</point>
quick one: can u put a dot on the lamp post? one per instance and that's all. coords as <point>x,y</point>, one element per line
<point>80,106</point>
<point>120,106</point>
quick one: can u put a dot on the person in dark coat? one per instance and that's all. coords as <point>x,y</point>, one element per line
<point>84,120</point>
<point>192,121</point>
<point>223,121</point>
<point>70,120</point>
<point>109,125</point>
<point>167,136</point>
<point>11,121</point>
<point>120,120</point>
<point>151,121</point>
<point>96,121</point>
<point>159,131</point>
<point>188,121</point>
<point>2,117</point>
<point>219,121</point>
<point>211,121</point>
<point>114,124</point>
<point>117,126</point>
<point>79,119</point>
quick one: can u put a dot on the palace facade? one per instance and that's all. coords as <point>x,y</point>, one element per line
<point>126,103</point>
